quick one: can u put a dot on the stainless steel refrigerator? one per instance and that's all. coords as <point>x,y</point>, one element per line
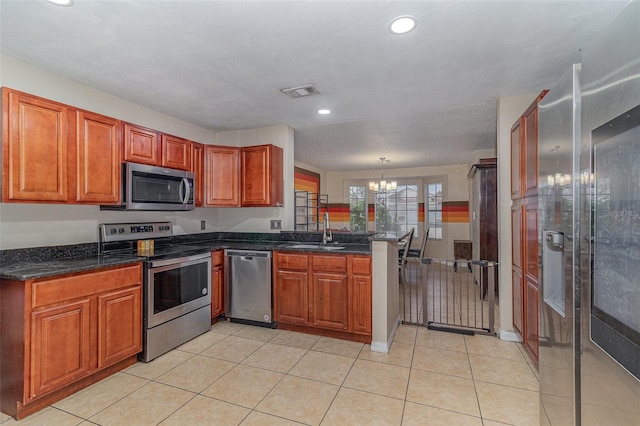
<point>589,224</point>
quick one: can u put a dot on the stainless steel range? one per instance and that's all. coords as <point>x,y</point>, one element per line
<point>176,286</point>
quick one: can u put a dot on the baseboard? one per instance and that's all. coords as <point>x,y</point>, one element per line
<point>384,347</point>
<point>509,336</point>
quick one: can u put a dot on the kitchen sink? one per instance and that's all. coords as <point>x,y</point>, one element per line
<point>314,246</point>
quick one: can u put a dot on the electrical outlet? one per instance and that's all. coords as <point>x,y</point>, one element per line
<point>203,225</point>
<point>276,224</point>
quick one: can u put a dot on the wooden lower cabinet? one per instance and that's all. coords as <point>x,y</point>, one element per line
<point>119,316</point>
<point>329,306</point>
<point>60,346</point>
<point>323,294</point>
<point>64,333</point>
<point>217,283</point>
<point>291,301</point>
<point>531,303</point>
<point>518,300</point>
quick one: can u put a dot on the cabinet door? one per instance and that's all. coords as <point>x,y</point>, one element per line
<point>361,308</point>
<point>516,235</point>
<point>291,300</point>
<point>60,346</point>
<point>360,275</point>
<point>176,152</point>
<point>531,243</point>
<point>530,146</point>
<point>329,304</point>
<point>141,145</point>
<point>222,176</point>
<point>518,301</point>
<point>197,168</point>
<point>516,159</point>
<point>98,169</point>
<point>119,325</point>
<point>35,148</point>
<point>531,303</point>
<point>217,283</point>
<point>261,168</point>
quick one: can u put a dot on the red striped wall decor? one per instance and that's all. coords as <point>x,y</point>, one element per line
<point>339,212</point>
<point>455,211</point>
<point>305,180</point>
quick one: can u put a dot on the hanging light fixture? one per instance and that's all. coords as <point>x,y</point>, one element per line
<point>382,185</point>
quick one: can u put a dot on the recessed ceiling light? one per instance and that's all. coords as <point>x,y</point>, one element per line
<point>324,111</point>
<point>402,24</point>
<point>61,2</point>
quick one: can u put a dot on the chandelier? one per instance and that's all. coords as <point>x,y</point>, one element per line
<point>382,185</point>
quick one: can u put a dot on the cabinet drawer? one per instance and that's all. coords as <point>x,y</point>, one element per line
<point>62,289</point>
<point>292,261</point>
<point>330,263</point>
<point>361,265</point>
<point>217,258</point>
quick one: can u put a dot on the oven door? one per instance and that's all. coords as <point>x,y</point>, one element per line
<point>175,287</point>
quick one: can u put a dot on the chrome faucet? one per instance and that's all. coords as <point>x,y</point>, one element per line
<point>326,237</point>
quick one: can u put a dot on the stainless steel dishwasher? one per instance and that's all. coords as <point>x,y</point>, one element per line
<point>248,296</point>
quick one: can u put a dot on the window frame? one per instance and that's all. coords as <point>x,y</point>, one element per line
<point>365,210</point>
<point>433,231</point>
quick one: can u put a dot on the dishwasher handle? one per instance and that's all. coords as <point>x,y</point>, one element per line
<point>247,254</point>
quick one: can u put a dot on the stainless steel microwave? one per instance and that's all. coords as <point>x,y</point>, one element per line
<point>155,188</point>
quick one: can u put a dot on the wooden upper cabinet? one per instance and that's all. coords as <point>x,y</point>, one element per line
<point>262,168</point>
<point>197,168</point>
<point>97,171</point>
<point>222,175</point>
<point>176,152</point>
<point>530,150</point>
<point>524,152</point>
<point>516,159</point>
<point>141,145</point>
<point>35,148</point>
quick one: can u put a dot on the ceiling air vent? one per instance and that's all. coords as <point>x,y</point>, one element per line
<point>300,91</point>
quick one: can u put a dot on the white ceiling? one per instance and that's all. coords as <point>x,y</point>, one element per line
<point>424,98</point>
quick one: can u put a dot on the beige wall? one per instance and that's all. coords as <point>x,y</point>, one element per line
<point>509,109</point>
<point>456,189</point>
<point>29,225</point>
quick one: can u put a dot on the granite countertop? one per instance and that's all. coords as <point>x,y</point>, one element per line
<point>43,262</point>
<point>30,270</point>
<point>313,247</point>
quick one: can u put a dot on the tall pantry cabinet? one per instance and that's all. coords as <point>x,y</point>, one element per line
<point>484,215</point>
<point>524,226</point>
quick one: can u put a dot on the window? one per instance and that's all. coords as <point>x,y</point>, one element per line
<point>357,208</point>
<point>434,209</point>
<point>397,211</point>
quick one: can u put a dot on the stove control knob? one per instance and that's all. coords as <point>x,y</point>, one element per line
<point>121,230</point>
<point>113,231</point>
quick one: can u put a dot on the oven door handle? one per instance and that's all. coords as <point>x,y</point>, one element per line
<point>185,191</point>
<point>181,261</point>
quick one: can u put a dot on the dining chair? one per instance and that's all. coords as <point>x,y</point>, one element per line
<point>403,254</point>
<point>419,253</point>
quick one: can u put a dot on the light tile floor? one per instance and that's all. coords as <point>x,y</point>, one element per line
<point>244,375</point>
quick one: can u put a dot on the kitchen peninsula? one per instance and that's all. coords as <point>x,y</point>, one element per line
<point>362,271</point>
